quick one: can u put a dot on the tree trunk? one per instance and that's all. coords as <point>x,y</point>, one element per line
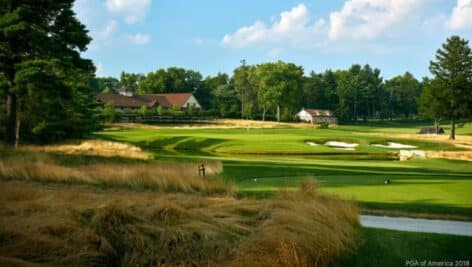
<point>263,112</point>
<point>436,125</point>
<point>17,132</point>
<point>278,113</point>
<point>242,108</point>
<point>10,119</point>
<point>355,108</point>
<point>453,129</point>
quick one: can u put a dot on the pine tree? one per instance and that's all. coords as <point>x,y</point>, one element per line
<point>47,92</point>
<point>453,70</point>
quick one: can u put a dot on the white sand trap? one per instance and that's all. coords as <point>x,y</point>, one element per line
<point>345,148</point>
<point>311,143</point>
<point>394,145</point>
<point>341,144</point>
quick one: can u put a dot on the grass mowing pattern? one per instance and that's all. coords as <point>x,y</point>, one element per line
<point>432,188</point>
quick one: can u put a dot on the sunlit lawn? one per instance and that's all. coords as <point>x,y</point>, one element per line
<point>261,161</point>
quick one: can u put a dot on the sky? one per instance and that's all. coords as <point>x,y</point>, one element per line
<point>213,36</point>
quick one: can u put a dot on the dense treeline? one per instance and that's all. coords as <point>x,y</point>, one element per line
<point>278,90</point>
<point>47,89</point>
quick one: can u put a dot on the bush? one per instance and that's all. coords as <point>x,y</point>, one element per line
<point>191,111</point>
<point>108,113</point>
<point>175,111</point>
<point>323,125</point>
<point>143,111</point>
<point>161,111</point>
<point>129,111</point>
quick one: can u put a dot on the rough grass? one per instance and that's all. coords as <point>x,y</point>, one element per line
<point>217,124</point>
<point>153,175</point>
<point>454,155</point>
<point>77,225</point>
<point>95,148</point>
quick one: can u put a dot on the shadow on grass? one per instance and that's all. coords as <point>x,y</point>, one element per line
<point>419,206</point>
<point>158,144</point>
<point>424,207</point>
<point>394,248</point>
<point>198,144</point>
<point>244,170</point>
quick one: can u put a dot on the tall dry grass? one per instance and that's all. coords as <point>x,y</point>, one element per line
<point>95,148</point>
<point>301,229</point>
<point>153,175</point>
<point>455,155</point>
<point>77,225</point>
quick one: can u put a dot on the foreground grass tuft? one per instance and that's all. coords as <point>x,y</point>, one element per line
<point>77,225</point>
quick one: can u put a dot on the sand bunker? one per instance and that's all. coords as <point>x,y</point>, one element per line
<point>337,144</point>
<point>311,143</point>
<point>394,145</point>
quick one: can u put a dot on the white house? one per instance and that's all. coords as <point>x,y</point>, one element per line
<point>317,116</point>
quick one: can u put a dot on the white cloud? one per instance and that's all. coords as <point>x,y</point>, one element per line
<point>132,10</point>
<point>99,69</point>
<point>138,38</point>
<point>367,19</point>
<point>461,17</point>
<point>293,27</point>
<point>109,28</point>
<point>435,22</point>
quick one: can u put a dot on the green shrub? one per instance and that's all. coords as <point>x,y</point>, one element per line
<point>143,111</point>
<point>108,113</point>
<point>175,111</point>
<point>191,111</point>
<point>323,125</point>
<point>161,111</point>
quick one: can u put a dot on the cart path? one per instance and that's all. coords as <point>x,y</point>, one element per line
<point>417,225</point>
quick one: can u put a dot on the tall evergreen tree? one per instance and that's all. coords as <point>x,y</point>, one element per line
<point>40,45</point>
<point>452,68</point>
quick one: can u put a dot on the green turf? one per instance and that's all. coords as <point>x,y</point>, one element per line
<point>261,161</point>
<point>393,248</point>
<point>264,141</point>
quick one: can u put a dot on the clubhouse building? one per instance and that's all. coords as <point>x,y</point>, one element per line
<point>127,100</point>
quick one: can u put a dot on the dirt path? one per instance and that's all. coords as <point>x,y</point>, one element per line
<point>418,225</point>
